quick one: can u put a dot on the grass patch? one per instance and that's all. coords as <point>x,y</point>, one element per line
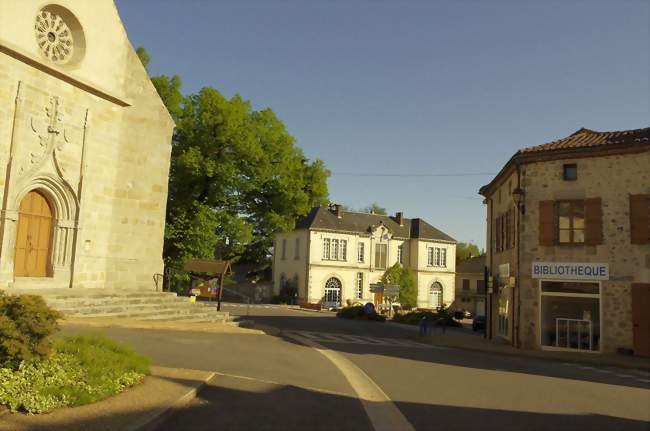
<point>81,370</point>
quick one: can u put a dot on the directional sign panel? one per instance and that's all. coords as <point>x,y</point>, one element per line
<point>376,287</point>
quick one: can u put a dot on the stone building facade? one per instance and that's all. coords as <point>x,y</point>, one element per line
<point>85,146</point>
<point>470,285</point>
<point>569,244</point>
<point>333,256</point>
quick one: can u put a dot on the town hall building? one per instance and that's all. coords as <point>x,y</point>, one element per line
<point>84,150</point>
<point>333,256</point>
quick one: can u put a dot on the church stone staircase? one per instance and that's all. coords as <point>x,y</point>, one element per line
<point>128,304</point>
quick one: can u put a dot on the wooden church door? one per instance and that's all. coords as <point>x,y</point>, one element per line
<point>33,236</point>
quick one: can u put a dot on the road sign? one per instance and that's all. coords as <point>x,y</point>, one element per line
<point>376,287</point>
<point>391,289</point>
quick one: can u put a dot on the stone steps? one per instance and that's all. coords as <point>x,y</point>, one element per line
<point>137,305</point>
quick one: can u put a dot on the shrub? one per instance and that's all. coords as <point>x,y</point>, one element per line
<point>81,370</point>
<point>440,317</point>
<point>26,324</point>
<point>353,312</point>
<point>357,312</point>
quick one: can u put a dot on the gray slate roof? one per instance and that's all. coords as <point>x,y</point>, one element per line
<point>416,228</point>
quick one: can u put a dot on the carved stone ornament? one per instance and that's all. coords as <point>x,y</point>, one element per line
<point>54,37</point>
<point>51,135</point>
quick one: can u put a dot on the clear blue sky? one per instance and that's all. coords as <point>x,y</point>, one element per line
<point>397,87</point>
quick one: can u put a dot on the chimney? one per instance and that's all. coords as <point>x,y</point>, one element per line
<point>338,210</point>
<point>399,218</point>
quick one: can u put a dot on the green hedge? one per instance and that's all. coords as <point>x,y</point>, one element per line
<point>357,312</point>
<point>414,317</point>
<point>81,370</point>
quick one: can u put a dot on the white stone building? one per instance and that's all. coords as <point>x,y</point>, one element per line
<point>334,256</point>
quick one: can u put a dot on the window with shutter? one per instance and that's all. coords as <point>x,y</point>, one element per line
<point>640,219</point>
<point>547,223</point>
<point>571,222</point>
<point>593,221</point>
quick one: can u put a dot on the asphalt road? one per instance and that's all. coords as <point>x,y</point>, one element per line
<point>275,382</point>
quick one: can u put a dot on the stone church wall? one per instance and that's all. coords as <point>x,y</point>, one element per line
<point>97,145</point>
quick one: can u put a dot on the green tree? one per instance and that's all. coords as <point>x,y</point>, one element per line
<point>408,291</point>
<point>236,179</point>
<point>372,208</point>
<point>143,55</point>
<point>465,250</point>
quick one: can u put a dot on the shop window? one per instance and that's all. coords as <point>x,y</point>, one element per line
<point>570,315</point>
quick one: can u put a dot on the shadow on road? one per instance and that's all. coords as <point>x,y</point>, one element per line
<point>227,405</point>
<point>274,325</point>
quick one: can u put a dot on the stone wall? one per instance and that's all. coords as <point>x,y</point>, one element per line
<point>612,178</point>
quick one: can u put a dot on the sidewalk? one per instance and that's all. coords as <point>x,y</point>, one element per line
<point>461,339</point>
<point>140,408</point>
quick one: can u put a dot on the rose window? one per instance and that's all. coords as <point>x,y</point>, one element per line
<point>54,37</point>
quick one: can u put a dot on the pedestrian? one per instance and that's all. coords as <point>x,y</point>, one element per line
<point>423,325</point>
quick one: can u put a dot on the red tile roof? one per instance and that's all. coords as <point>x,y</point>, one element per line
<point>582,142</point>
<point>584,138</point>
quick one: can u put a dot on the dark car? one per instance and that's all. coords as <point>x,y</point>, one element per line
<point>478,323</point>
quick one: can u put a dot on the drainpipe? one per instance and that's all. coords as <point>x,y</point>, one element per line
<point>520,205</point>
<point>488,271</point>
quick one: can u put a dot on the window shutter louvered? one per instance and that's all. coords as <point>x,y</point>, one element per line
<point>593,221</point>
<point>639,219</point>
<point>547,223</point>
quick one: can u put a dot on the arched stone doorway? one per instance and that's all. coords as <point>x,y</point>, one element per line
<point>34,236</point>
<point>435,296</point>
<point>332,298</point>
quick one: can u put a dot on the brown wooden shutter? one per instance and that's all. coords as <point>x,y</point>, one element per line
<point>547,223</point>
<point>593,221</point>
<point>639,219</point>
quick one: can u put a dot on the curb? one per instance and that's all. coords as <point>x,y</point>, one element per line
<point>546,358</point>
<point>154,419</point>
<point>526,354</point>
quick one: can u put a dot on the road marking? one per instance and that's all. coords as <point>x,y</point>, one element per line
<point>382,412</point>
<point>272,382</point>
<point>359,339</point>
<point>644,380</point>
<point>625,376</point>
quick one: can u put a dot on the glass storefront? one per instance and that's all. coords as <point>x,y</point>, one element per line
<point>570,315</point>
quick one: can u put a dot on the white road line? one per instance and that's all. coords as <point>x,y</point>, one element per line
<point>625,376</point>
<point>382,412</point>
<point>644,380</point>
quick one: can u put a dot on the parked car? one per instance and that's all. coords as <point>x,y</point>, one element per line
<point>478,323</point>
<point>462,314</point>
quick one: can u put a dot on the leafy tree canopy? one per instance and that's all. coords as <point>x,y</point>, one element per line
<point>372,208</point>
<point>236,177</point>
<point>465,250</point>
<point>408,290</point>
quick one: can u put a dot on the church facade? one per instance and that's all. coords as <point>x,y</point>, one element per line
<point>85,145</point>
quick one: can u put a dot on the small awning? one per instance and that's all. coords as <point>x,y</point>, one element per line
<point>210,266</point>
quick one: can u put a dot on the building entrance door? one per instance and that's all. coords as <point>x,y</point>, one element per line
<point>435,296</point>
<point>641,319</point>
<point>332,297</point>
<point>33,236</point>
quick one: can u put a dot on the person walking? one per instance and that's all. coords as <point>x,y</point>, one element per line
<point>424,325</point>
